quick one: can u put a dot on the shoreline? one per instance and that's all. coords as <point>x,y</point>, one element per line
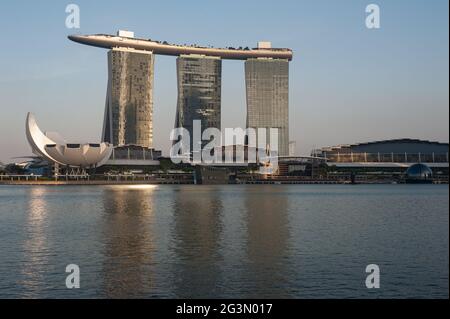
<point>149,182</point>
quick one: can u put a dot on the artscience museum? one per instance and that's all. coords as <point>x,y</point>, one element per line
<point>56,151</point>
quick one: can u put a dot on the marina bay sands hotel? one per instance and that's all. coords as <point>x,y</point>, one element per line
<point>129,103</point>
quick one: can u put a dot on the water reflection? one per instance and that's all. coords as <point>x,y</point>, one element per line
<point>196,241</point>
<point>128,241</point>
<point>36,244</point>
<point>224,241</point>
<point>267,241</point>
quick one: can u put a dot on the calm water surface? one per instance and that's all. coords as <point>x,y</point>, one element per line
<point>255,241</point>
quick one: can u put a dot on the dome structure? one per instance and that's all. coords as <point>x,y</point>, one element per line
<point>82,155</point>
<point>419,173</point>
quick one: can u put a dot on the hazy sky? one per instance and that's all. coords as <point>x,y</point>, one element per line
<point>347,83</point>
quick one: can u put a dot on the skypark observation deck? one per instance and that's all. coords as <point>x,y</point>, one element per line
<point>164,48</point>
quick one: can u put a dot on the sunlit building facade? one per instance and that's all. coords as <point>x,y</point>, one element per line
<point>267,89</point>
<point>129,101</point>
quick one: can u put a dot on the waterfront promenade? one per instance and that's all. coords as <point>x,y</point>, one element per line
<point>187,179</point>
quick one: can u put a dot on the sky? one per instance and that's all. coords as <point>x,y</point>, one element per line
<point>348,83</point>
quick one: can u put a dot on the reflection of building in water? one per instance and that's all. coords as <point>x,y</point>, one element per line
<point>197,232</point>
<point>127,226</point>
<point>267,240</point>
<point>35,247</point>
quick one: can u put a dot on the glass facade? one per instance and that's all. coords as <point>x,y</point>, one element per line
<point>389,151</point>
<point>267,88</point>
<point>199,92</point>
<point>129,100</point>
<point>133,152</point>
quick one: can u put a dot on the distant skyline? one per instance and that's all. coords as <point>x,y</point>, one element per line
<point>348,84</point>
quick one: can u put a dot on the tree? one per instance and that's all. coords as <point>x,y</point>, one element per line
<point>14,169</point>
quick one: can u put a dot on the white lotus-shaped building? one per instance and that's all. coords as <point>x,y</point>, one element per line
<point>55,150</point>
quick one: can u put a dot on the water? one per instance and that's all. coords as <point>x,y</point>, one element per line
<point>236,241</point>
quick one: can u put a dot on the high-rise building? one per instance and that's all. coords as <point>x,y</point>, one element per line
<point>292,145</point>
<point>199,92</point>
<point>129,101</point>
<point>267,87</point>
<point>128,115</point>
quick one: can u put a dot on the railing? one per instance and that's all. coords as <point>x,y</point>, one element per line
<point>19,177</point>
<point>160,178</point>
<point>387,157</point>
<point>144,177</point>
